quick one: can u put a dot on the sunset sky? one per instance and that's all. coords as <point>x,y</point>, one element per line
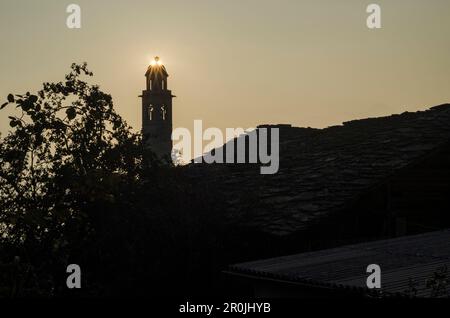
<point>238,63</point>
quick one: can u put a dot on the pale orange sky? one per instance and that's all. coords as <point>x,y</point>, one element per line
<point>238,63</point>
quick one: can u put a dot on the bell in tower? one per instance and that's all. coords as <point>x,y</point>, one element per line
<point>157,111</point>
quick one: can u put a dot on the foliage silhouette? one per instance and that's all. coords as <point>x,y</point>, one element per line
<point>77,186</point>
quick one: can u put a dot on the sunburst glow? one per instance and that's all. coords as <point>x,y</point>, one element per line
<point>156,61</point>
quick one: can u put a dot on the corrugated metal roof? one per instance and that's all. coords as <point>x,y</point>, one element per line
<point>406,262</point>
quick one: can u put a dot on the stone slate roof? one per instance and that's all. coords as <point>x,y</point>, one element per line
<point>322,170</point>
<point>406,263</point>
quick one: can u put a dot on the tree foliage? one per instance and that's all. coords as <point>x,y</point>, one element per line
<point>77,186</point>
<point>66,143</point>
<point>73,179</point>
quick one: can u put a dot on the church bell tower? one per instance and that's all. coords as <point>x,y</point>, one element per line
<point>157,111</point>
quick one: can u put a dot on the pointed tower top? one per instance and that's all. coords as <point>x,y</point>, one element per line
<point>156,61</point>
<point>156,66</point>
<point>156,75</point>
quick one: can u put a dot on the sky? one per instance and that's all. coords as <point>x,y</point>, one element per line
<point>238,63</point>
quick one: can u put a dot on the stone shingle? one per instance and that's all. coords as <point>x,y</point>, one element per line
<point>322,169</point>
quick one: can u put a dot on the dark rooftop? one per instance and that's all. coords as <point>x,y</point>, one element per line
<point>405,262</point>
<point>322,170</point>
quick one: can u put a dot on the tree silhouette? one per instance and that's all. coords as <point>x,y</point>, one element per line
<point>69,167</point>
<point>67,143</point>
<point>77,186</point>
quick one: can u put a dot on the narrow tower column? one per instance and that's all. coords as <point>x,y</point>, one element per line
<point>157,110</point>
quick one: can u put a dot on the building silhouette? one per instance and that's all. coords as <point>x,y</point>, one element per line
<point>365,179</point>
<point>157,111</point>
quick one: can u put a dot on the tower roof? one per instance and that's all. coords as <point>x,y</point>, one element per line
<point>156,68</point>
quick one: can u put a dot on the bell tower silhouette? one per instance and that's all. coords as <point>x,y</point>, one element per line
<point>157,111</point>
